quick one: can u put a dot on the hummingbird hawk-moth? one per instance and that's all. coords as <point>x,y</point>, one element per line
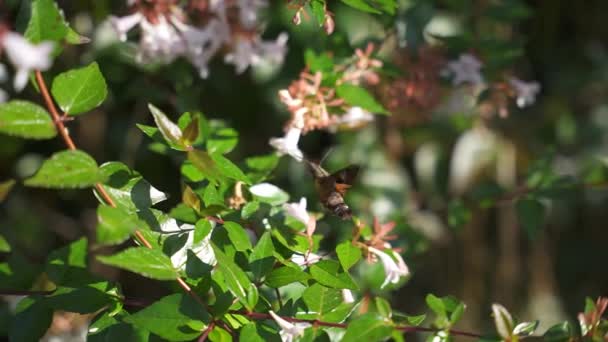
<point>332,187</point>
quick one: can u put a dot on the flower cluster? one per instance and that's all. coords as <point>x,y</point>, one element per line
<point>201,31</point>
<point>25,57</point>
<point>467,70</point>
<point>314,105</point>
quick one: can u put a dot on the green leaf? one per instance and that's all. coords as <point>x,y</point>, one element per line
<point>249,333</point>
<point>222,141</point>
<point>172,318</point>
<point>320,299</point>
<point>170,131</point>
<point>525,329</point>
<point>236,280</point>
<point>67,169</point>
<point>348,254</point>
<point>261,259</point>
<point>80,90</point>
<point>207,166</point>
<point>127,188</point>
<point>238,236</point>
<point>31,323</point>
<point>115,225</point>
<point>5,188</point>
<point>219,335</point>
<point>150,263</point>
<point>329,273</point>
<point>361,5</point>
<point>318,9</point>
<point>202,229</point>
<point>248,209</point>
<point>531,214</point>
<point>4,246</point>
<point>358,96</point>
<point>384,308</point>
<point>368,327</point>
<point>46,22</point>
<point>502,321</point>
<point>558,333</point>
<point>228,169</point>
<point>26,120</point>
<point>81,300</point>
<point>67,266</point>
<point>284,276</point>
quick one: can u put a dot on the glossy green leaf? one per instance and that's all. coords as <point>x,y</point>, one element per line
<point>320,299</point>
<point>503,321</point>
<point>172,318</point>
<point>329,273</point>
<point>238,236</point>
<point>127,188</point>
<point>249,333</point>
<point>170,131</point>
<point>80,90</point>
<point>248,209</point>
<point>26,120</point>
<point>115,225</point>
<point>236,280</point>
<point>261,258</point>
<point>46,22</point>
<point>229,169</point>
<point>558,333</point>
<point>285,275</point>
<point>318,10</point>
<point>358,96</point>
<point>67,169</point>
<point>222,141</point>
<point>368,327</point>
<point>348,254</point>
<point>384,307</point>
<point>150,263</point>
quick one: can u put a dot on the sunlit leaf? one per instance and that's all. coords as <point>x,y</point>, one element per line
<point>80,90</point>
<point>26,120</point>
<point>67,169</point>
<point>150,263</point>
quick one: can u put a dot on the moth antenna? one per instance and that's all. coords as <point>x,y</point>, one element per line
<point>326,155</point>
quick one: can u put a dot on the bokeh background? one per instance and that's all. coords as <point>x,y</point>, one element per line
<point>408,159</point>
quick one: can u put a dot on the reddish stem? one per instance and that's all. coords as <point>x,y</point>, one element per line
<point>57,120</point>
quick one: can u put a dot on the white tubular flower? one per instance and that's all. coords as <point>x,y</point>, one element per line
<point>525,91</point>
<point>289,144</point>
<point>298,211</point>
<point>202,250</point>
<point>160,41</point>
<point>347,296</point>
<point>304,260</point>
<point>243,55</point>
<point>289,331</point>
<point>248,11</point>
<point>273,52</point>
<point>355,117</point>
<point>466,69</point>
<point>26,57</point>
<point>393,270</point>
<point>122,25</point>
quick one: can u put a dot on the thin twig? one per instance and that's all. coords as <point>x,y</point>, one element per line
<point>210,327</point>
<point>261,316</point>
<point>106,197</point>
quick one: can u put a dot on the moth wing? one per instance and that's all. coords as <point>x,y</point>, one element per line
<point>346,175</point>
